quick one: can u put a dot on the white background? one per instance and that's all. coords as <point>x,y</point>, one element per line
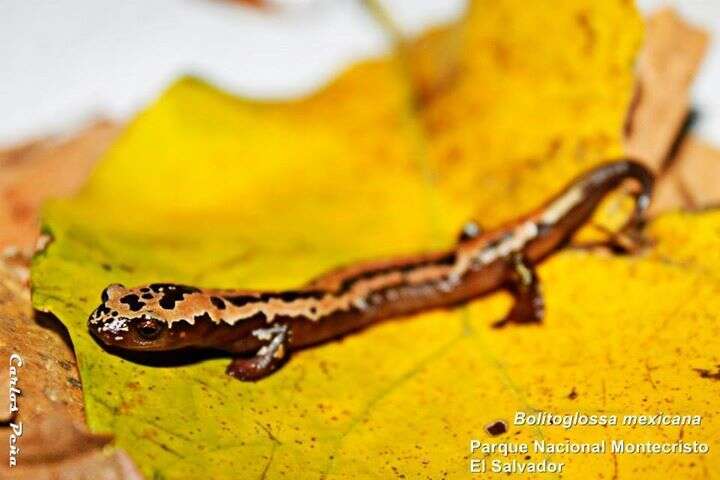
<point>65,62</point>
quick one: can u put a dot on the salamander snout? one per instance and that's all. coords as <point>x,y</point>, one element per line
<point>122,320</point>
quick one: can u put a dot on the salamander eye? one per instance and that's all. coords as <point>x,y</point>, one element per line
<point>149,328</point>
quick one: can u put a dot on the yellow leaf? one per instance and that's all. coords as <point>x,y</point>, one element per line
<point>539,94</point>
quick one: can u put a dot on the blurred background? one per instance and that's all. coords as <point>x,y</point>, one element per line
<point>65,63</point>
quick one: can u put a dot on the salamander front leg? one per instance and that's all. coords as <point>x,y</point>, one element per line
<point>269,358</point>
<point>524,285</point>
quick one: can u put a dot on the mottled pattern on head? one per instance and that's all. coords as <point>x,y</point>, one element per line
<point>161,301</point>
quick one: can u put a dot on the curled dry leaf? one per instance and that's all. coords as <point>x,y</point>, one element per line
<point>667,65</point>
<point>689,168</point>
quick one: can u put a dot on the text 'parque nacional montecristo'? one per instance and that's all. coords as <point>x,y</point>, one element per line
<point>535,456</point>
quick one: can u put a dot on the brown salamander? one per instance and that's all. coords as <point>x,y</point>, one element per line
<point>268,325</point>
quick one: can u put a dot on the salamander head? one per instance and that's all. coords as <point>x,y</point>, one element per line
<point>136,318</point>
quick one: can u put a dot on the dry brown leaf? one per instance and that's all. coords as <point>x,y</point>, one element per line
<point>697,168</point>
<point>667,64</point>
<point>50,408</point>
<point>55,447</point>
<point>96,466</point>
<point>48,377</point>
<point>54,437</point>
<point>693,178</point>
<point>41,169</point>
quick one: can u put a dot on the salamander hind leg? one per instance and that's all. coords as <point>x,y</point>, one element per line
<point>629,240</point>
<point>268,359</point>
<point>529,306</point>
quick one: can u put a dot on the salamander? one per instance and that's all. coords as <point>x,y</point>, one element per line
<point>261,328</point>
